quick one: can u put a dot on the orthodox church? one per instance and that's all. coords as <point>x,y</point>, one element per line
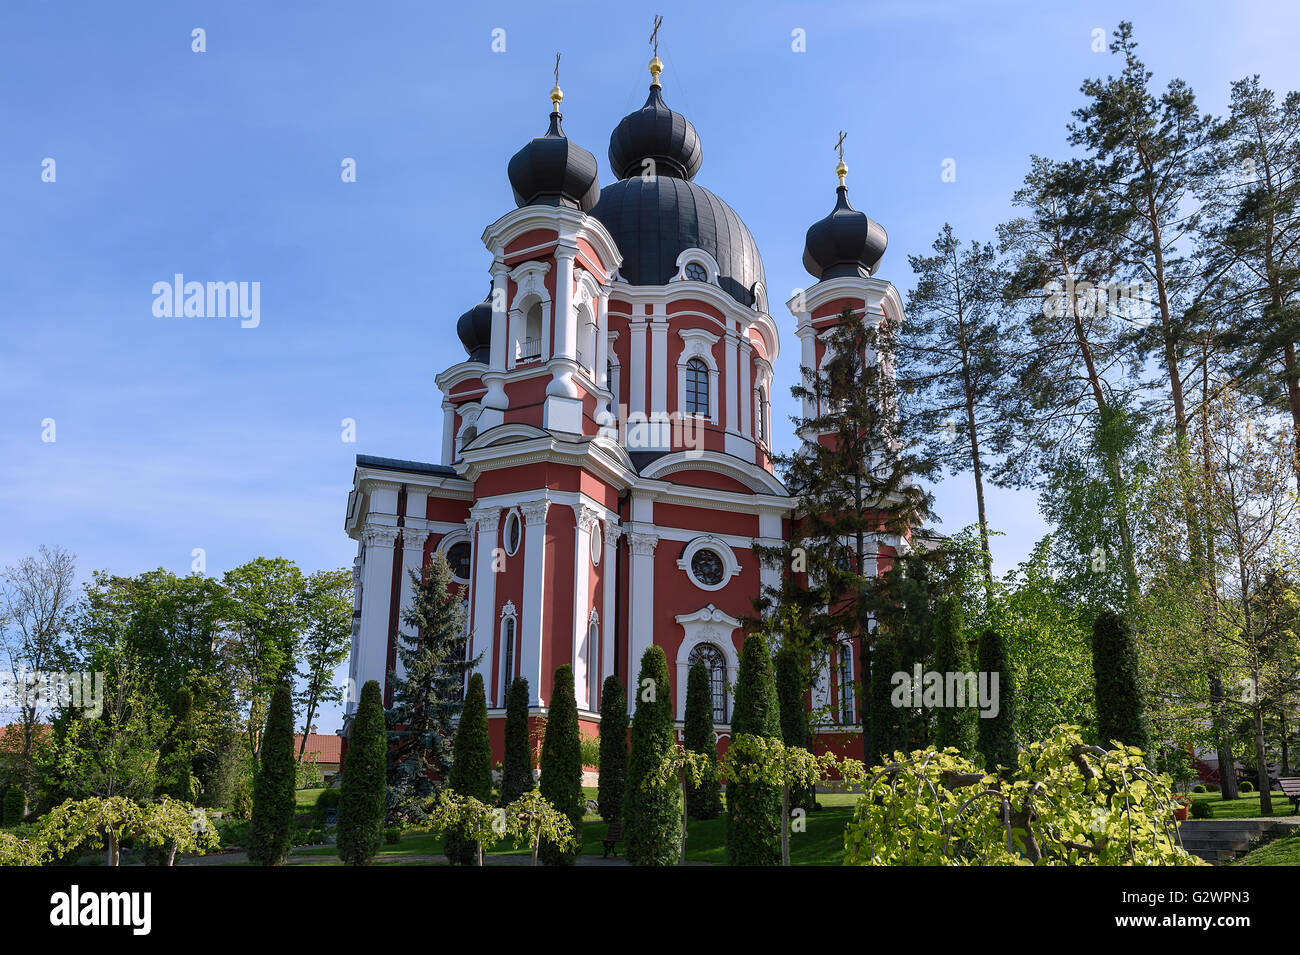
<point>606,461</point>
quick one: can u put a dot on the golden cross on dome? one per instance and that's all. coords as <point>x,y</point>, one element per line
<point>841,170</point>
<point>656,64</point>
<point>557,69</point>
<point>654,34</point>
<point>838,145</point>
<point>556,93</point>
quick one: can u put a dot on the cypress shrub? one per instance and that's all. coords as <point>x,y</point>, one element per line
<point>613,750</point>
<point>517,767</point>
<point>886,723</point>
<point>15,807</point>
<point>754,809</point>
<point>997,734</point>
<point>954,725</point>
<point>652,808</point>
<point>791,682</point>
<point>471,767</point>
<point>271,831</point>
<point>703,801</point>
<point>1121,709</point>
<point>364,788</point>
<point>561,782</point>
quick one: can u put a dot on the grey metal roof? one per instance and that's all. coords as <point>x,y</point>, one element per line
<point>396,464</point>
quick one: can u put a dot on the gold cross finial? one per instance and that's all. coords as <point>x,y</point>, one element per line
<point>656,64</point>
<point>556,94</point>
<point>841,170</point>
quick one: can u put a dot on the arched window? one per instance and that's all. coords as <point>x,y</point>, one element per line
<point>509,655</point>
<point>697,387</point>
<point>530,348</point>
<point>713,658</point>
<point>848,703</point>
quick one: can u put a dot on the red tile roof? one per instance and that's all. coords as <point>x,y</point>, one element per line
<point>327,749</point>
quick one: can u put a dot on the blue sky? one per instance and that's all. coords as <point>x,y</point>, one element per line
<point>174,434</point>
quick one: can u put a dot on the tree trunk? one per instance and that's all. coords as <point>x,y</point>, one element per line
<point>1293,400</point>
<point>682,857</point>
<point>1265,796</point>
<point>171,855</point>
<point>1223,747</point>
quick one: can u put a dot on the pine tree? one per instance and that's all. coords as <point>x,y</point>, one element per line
<point>361,795</point>
<point>613,750</point>
<point>754,808</point>
<point>1121,710</point>
<point>270,835</point>
<point>703,801</point>
<point>792,681</point>
<point>427,700</point>
<point>517,767</point>
<point>471,768</point>
<point>652,808</point>
<point>997,734</point>
<point>853,476</point>
<point>955,363</point>
<point>561,781</point>
<point>954,724</point>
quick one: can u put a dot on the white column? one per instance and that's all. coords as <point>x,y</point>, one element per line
<point>641,582</point>
<point>659,364</point>
<point>563,410</point>
<point>585,517</point>
<point>376,591</point>
<point>808,359</point>
<point>636,373</point>
<point>746,403</point>
<point>413,537</point>
<point>533,612</point>
<point>488,520</point>
<point>731,347</point>
<point>601,369</point>
<point>448,432</point>
<point>495,401</point>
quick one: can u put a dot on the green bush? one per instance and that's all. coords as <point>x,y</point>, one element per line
<point>792,680</point>
<point>754,808</point>
<point>561,762</point>
<point>652,806</point>
<point>233,833</point>
<point>271,834</point>
<point>307,774</point>
<point>393,835</point>
<point>703,801</point>
<point>15,807</point>
<point>1201,809</point>
<point>517,769</point>
<point>612,780</point>
<point>1199,788</point>
<point>997,734</point>
<point>1245,786</point>
<point>471,768</point>
<point>362,795</point>
<point>953,725</point>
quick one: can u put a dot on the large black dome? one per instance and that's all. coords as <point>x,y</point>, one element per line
<point>553,170</point>
<point>846,242</point>
<point>654,221</point>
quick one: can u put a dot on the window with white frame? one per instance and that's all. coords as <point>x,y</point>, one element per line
<point>509,649</point>
<point>697,387</point>
<point>847,697</point>
<point>716,663</point>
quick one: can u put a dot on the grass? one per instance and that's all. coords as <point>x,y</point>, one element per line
<point>306,798</point>
<point>1284,851</point>
<point>1245,807</point>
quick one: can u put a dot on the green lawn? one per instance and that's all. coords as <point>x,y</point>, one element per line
<point>1245,807</point>
<point>1284,851</point>
<point>306,798</point>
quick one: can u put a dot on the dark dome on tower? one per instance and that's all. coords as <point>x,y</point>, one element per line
<point>474,329</point>
<point>656,218</point>
<point>552,170</point>
<point>846,242</point>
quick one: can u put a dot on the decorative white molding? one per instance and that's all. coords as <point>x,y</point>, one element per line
<point>699,257</point>
<point>730,565</point>
<point>706,625</point>
<point>697,343</point>
<point>641,544</point>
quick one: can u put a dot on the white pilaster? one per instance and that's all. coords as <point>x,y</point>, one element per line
<point>745,404</point>
<point>484,589</point>
<point>609,583</point>
<point>585,517</point>
<point>641,581</point>
<point>731,347</point>
<point>413,538</point>
<point>532,613</point>
<point>376,591</point>
<point>659,364</point>
<point>636,373</point>
<point>448,432</point>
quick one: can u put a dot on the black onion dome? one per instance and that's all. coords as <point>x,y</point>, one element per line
<point>552,170</point>
<point>846,242</point>
<point>655,221</point>
<point>475,331</point>
<point>655,132</point>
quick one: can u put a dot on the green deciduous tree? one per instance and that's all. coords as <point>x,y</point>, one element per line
<point>327,638</point>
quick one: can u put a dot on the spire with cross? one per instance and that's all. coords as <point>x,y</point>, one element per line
<point>556,93</point>
<point>656,64</point>
<point>841,170</point>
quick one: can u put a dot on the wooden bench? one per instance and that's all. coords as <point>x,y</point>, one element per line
<point>1291,789</point>
<point>614,835</point>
